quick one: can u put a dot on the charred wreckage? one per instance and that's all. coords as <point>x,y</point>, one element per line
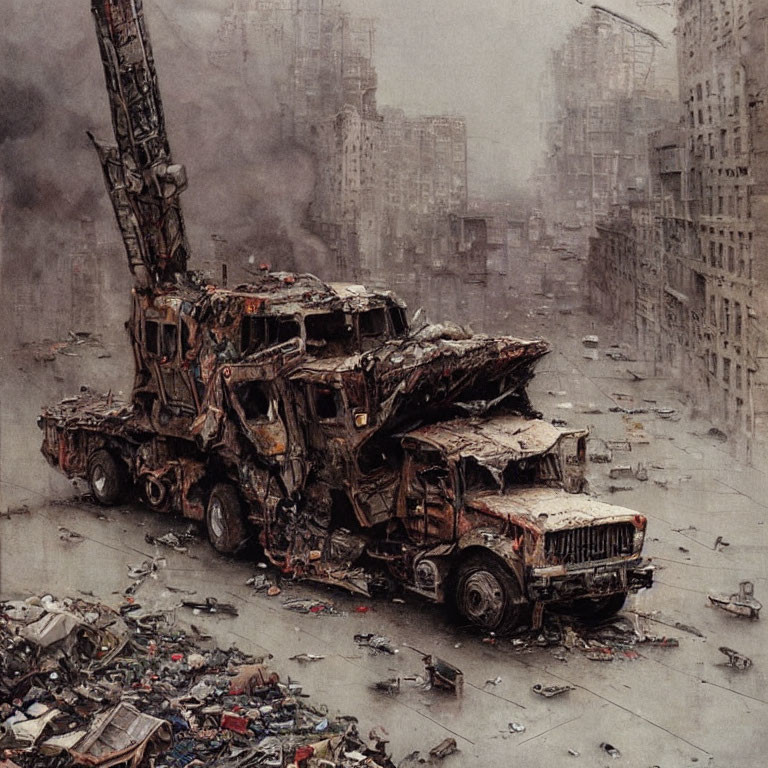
<point>311,417</point>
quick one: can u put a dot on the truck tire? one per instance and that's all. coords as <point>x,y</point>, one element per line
<point>224,519</point>
<point>488,594</point>
<point>596,608</point>
<point>107,478</point>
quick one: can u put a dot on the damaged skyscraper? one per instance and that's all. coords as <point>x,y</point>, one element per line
<point>390,198</point>
<point>691,252</point>
<point>603,91</point>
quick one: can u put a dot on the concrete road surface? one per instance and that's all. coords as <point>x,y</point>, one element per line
<point>671,707</point>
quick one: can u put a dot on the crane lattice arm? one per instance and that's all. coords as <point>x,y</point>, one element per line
<point>143,182</point>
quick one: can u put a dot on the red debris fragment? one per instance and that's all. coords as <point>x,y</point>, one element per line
<point>232,722</point>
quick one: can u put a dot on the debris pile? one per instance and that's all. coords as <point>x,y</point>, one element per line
<point>606,640</point>
<point>82,684</point>
<point>45,351</point>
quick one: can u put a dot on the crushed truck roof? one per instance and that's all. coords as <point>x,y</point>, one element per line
<point>493,441</point>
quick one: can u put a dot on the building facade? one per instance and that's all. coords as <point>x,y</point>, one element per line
<point>706,229</point>
<point>387,183</point>
<point>603,91</point>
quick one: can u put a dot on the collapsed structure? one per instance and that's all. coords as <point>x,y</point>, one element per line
<point>311,416</point>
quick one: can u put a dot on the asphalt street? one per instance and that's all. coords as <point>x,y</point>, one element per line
<point>670,707</point>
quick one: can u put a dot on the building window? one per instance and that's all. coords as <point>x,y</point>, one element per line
<point>713,363</point>
<point>731,259</point>
<point>712,311</point>
<point>737,319</point>
<point>726,318</point>
<point>738,382</point>
<point>726,370</point>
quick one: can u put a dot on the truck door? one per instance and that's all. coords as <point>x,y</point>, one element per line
<point>428,498</point>
<point>162,345</point>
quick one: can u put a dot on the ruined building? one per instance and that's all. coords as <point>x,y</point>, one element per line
<point>602,92</point>
<point>693,251</point>
<point>391,189</point>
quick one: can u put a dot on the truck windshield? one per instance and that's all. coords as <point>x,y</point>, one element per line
<point>478,478</point>
<point>331,332</point>
<point>262,332</point>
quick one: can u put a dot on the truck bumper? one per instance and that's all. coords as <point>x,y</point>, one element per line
<point>561,583</point>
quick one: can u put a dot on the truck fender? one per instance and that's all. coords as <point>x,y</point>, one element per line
<point>509,550</point>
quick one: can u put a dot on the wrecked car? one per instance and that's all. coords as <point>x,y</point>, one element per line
<point>310,417</point>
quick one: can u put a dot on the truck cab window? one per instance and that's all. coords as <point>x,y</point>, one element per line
<point>169,340</point>
<point>254,399</point>
<point>253,334</point>
<point>152,336</point>
<point>260,332</point>
<point>399,323</point>
<point>478,478</point>
<point>331,331</point>
<point>373,323</point>
<point>326,405</point>
<point>280,330</point>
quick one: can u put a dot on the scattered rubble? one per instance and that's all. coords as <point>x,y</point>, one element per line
<point>175,541</point>
<point>610,750</point>
<point>736,659</point>
<point>377,643</point>
<point>82,685</point>
<point>45,351</point>
<point>210,605</point>
<point>444,748</point>
<point>741,603</point>
<point>444,675</point>
<point>548,691</point>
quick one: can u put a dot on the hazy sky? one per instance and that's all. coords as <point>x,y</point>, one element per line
<point>478,58</point>
<point>482,58</point>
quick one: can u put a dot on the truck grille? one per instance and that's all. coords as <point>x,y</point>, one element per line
<point>585,545</point>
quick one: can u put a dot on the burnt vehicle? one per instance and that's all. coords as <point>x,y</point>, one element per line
<point>311,418</point>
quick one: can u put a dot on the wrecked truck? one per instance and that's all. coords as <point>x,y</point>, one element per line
<point>309,417</point>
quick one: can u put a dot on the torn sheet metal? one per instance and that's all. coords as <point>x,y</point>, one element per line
<point>122,735</point>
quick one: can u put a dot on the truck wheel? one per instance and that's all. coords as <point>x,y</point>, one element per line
<point>106,478</point>
<point>599,607</point>
<point>224,520</point>
<point>488,594</point>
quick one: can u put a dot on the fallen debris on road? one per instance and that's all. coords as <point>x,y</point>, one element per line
<point>82,685</point>
<point>741,603</point>
<point>548,691</point>
<point>735,659</point>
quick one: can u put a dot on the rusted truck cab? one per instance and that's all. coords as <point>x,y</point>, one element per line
<point>497,511</point>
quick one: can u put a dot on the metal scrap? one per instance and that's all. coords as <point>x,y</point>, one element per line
<point>548,691</point>
<point>741,603</point>
<point>735,659</point>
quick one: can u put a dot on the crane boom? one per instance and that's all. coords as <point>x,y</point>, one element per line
<point>144,183</point>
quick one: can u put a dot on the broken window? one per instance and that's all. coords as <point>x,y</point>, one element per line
<point>478,478</point>
<point>399,323</point>
<point>373,323</point>
<point>261,332</point>
<point>169,340</point>
<point>253,397</point>
<point>523,472</point>
<point>152,336</point>
<point>330,329</point>
<point>326,402</point>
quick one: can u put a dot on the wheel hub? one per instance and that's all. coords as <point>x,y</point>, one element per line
<point>483,599</point>
<point>99,480</point>
<point>216,517</point>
